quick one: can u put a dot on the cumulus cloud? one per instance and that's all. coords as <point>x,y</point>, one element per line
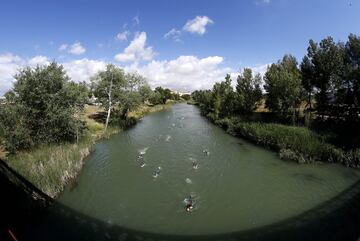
<point>76,49</point>
<point>197,25</point>
<point>38,60</point>
<point>185,73</point>
<point>173,34</point>
<point>77,70</point>
<point>137,50</point>
<point>122,36</point>
<point>9,64</point>
<point>83,69</point>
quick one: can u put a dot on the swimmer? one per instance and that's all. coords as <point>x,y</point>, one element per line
<point>156,173</point>
<point>206,152</point>
<point>195,165</point>
<point>189,204</point>
<point>189,207</point>
<point>142,164</point>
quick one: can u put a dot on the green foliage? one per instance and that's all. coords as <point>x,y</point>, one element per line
<point>248,92</point>
<point>295,143</point>
<point>165,94</point>
<point>155,98</point>
<point>283,86</point>
<point>223,97</point>
<point>186,97</point>
<point>41,108</point>
<point>108,82</point>
<point>323,68</point>
<point>145,93</point>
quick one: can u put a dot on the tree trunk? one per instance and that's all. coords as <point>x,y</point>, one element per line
<point>110,105</point>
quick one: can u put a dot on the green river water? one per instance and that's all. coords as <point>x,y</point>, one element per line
<point>237,186</point>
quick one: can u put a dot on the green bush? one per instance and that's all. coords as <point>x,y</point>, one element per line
<point>294,143</point>
<point>41,108</point>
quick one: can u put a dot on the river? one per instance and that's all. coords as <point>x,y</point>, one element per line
<point>235,186</point>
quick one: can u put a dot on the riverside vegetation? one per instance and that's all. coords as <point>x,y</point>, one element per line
<point>312,109</point>
<point>47,126</point>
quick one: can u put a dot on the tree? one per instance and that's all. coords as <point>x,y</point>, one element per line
<point>129,96</point>
<point>145,93</point>
<point>164,93</point>
<point>204,99</point>
<point>352,73</point>
<point>248,92</point>
<point>307,78</point>
<point>283,86</point>
<point>224,98</point>
<point>326,64</point>
<point>107,86</point>
<point>155,98</point>
<point>41,108</point>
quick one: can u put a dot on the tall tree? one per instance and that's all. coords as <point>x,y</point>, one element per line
<point>307,79</point>
<point>283,86</point>
<point>223,98</point>
<point>107,84</point>
<point>248,92</point>
<point>327,63</point>
<point>352,71</point>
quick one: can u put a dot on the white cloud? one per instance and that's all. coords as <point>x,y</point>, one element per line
<point>38,60</point>
<point>197,25</point>
<point>9,64</point>
<point>63,47</point>
<point>136,51</point>
<point>260,69</point>
<point>122,36</point>
<point>77,70</point>
<point>83,69</point>
<point>173,34</point>
<point>77,49</point>
<point>186,73</point>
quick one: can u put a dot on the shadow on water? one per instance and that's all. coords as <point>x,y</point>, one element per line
<point>31,215</point>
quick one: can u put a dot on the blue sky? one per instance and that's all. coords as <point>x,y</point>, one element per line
<point>210,38</point>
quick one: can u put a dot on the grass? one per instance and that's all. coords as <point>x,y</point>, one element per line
<point>292,142</point>
<point>52,167</point>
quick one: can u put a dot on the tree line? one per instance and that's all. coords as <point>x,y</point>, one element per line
<point>327,80</point>
<point>44,105</point>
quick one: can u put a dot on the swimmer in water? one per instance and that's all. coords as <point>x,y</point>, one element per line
<point>195,165</point>
<point>189,204</point>
<point>189,207</point>
<point>157,172</point>
<point>206,152</point>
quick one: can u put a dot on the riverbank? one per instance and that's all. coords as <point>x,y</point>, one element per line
<point>294,143</point>
<point>52,167</point>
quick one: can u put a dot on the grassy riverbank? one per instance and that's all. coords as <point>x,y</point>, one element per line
<point>294,143</point>
<point>52,167</point>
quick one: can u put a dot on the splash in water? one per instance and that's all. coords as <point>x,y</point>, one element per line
<point>168,137</point>
<point>143,151</point>
<point>188,181</point>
